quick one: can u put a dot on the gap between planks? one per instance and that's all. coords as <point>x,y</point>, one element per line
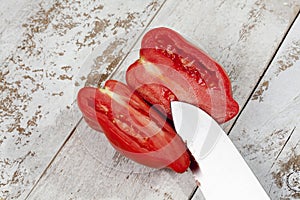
<point>287,140</point>
<point>264,72</point>
<point>193,193</point>
<point>80,120</point>
<point>254,89</point>
<point>54,157</point>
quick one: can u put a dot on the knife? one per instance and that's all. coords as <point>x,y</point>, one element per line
<point>222,172</point>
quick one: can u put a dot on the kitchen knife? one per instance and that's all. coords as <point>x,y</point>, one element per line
<point>222,173</point>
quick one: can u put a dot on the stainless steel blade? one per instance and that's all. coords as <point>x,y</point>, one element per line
<point>223,173</point>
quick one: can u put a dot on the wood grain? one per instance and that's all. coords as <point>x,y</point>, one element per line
<point>43,59</point>
<point>237,34</point>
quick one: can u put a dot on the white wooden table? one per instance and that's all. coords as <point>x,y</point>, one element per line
<point>50,49</point>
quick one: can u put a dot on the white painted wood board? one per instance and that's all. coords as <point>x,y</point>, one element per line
<point>267,132</point>
<point>45,47</point>
<point>246,30</point>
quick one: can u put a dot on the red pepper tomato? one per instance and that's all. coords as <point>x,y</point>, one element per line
<point>133,127</point>
<point>170,68</point>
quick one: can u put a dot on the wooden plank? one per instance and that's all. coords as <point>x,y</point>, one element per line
<point>42,70</point>
<point>267,132</point>
<point>250,29</point>
<point>89,168</point>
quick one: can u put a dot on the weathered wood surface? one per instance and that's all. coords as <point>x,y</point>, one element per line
<point>267,132</point>
<point>53,45</point>
<point>113,179</point>
<point>44,45</point>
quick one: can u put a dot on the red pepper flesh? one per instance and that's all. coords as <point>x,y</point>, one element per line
<point>170,68</point>
<point>133,127</point>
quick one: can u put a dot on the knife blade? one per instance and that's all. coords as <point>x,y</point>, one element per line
<point>222,171</point>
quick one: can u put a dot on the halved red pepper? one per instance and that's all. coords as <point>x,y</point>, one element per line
<point>133,127</point>
<point>170,68</point>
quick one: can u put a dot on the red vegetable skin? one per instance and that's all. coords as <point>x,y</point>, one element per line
<point>170,68</point>
<point>133,127</point>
